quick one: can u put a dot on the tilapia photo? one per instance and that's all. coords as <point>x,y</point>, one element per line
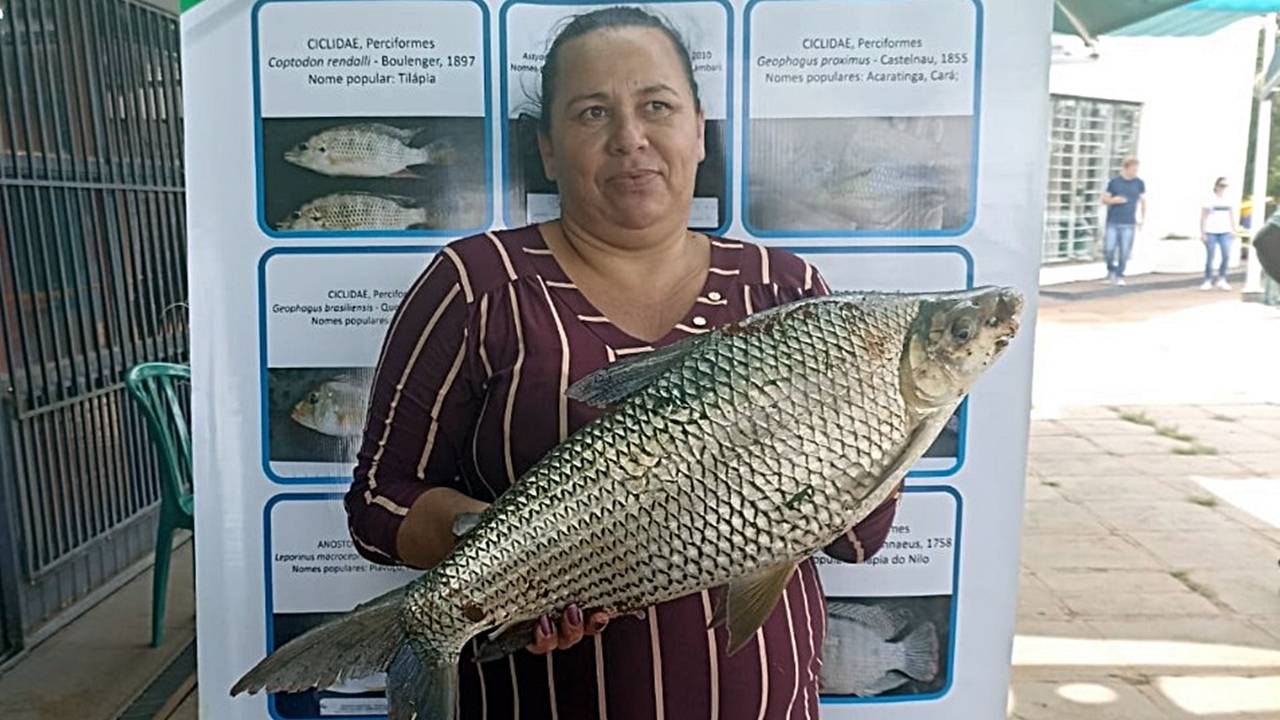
<point>722,460</point>
<point>368,150</point>
<point>361,211</point>
<point>870,650</point>
<point>335,407</point>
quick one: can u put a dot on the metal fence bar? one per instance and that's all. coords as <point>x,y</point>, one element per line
<point>92,269</point>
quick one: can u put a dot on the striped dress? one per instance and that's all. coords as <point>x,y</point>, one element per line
<point>470,392</point>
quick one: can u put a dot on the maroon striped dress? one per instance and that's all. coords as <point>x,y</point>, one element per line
<point>470,392</point>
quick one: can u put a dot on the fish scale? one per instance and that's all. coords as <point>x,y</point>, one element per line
<point>713,390</point>
<point>725,459</point>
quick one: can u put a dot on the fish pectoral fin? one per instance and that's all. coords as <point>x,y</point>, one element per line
<point>356,645</point>
<point>750,601</point>
<point>508,639</point>
<point>616,382</point>
<point>405,174</point>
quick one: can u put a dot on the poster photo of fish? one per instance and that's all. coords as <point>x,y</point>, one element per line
<point>528,189</point>
<point>859,175</point>
<point>886,647</point>
<point>399,174</point>
<point>360,697</point>
<point>316,414</point>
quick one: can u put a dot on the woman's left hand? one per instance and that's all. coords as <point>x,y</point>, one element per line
<point>549,635</point>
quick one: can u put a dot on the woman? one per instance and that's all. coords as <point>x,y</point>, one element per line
<point>1217,227</point>
<point>470,387</point>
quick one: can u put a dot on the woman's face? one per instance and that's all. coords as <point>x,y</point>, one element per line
<point>626,138</point>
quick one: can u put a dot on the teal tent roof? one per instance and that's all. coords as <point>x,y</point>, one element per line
<point>1202,17</point>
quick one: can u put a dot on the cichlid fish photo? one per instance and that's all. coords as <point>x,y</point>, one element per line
<point>721,461</point>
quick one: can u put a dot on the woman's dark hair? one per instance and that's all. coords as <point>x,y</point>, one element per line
<point>610,18</point>
<point>1220,182</point>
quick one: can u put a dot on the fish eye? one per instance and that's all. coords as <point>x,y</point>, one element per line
<point>322,149</point>
<point>313,398</point>
<point>962,329</point>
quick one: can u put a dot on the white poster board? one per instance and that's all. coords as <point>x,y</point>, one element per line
<point>894,144</point>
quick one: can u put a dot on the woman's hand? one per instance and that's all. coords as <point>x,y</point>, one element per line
<point>548,635</point>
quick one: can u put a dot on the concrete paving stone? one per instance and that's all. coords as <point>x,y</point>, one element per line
<point>1053,445</point>
<point>1040,490</point>
<point>1182,466</point>
<point>1269,427</point>
<point>1069,583</point>
<point>1246,593</point>
<point>1059,517</point>
<point>1139,604</point>
<point>1035,600</point>
<point>1067,551</point>
<point>1082,698</point>
<point>1229,443</point>
<point>1242,549</point>
<point>1088,490</point>
<point>1051,628</point>
<point>1266,464</point>
<point>1212,639</point>
<point>1132,445</point>
<point>1106,427</point>
<point>1215,695</point>
<point>1167,413</point>
<point>1086,465</point>
<point>1041,428</point>
<point>1161,515</point>
<point>1082,412</point>
<point>1257,411</point>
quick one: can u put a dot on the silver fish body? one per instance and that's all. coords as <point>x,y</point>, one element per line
<point>725,459</point>
<point>359,211</point>
<point>869,650</point>
<point>366,150</point>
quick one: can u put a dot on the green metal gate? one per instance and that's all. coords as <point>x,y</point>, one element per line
<point>92,281</point>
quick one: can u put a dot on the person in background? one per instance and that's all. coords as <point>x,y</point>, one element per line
<point>1217,229</point>
<point>1267,244</point>
<point>1126,201</point>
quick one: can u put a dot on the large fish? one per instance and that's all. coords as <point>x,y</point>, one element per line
<point>870,650</point>
<point>727,458</point>
<point>353,210</point>
<point>368,150</point>
<point>334,407</point>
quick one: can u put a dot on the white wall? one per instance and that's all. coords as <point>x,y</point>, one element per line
<point>1196,95</point>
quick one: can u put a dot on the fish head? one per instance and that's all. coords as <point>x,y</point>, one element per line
<point>307,217</point>
<point>310,411</point>
<point>955,337</point>
<point>312,153</point>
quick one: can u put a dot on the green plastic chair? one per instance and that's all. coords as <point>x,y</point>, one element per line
<point>153,385</point>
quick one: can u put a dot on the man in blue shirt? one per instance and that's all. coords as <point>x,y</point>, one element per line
<point>1126,201</point>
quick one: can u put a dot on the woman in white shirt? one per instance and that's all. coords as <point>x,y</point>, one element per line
<point>1217,228</point>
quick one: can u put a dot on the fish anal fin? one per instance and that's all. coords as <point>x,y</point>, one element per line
<point>419,691</point>
<point>883,684</point>
<point>511,638</point>
<point>750,601</point>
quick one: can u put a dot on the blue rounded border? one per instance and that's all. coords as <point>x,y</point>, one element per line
<point>269,590</point>
<point>260,190</point>
<point>979,19</point>
<point>962,434</point>
<point>263,421</point>
<point>955,614</point>
<point>728,108</point>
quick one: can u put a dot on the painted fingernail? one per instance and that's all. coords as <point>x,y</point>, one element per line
<point>545,626</point>
<point>575,615</point>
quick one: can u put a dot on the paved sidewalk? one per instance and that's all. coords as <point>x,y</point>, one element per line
<point>1150,586</point>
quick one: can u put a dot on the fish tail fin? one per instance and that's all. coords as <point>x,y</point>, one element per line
<point>920,653</point>
<point>421,688</point>
<point>440,152</point>
<point>358,644</point>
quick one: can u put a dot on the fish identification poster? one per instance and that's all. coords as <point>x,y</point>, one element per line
<point>894,144</point>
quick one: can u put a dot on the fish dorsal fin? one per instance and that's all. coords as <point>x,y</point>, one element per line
<point>872,617</point>
<point>750,600</point>
<point>622,379</point>
<point>402,134</point>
